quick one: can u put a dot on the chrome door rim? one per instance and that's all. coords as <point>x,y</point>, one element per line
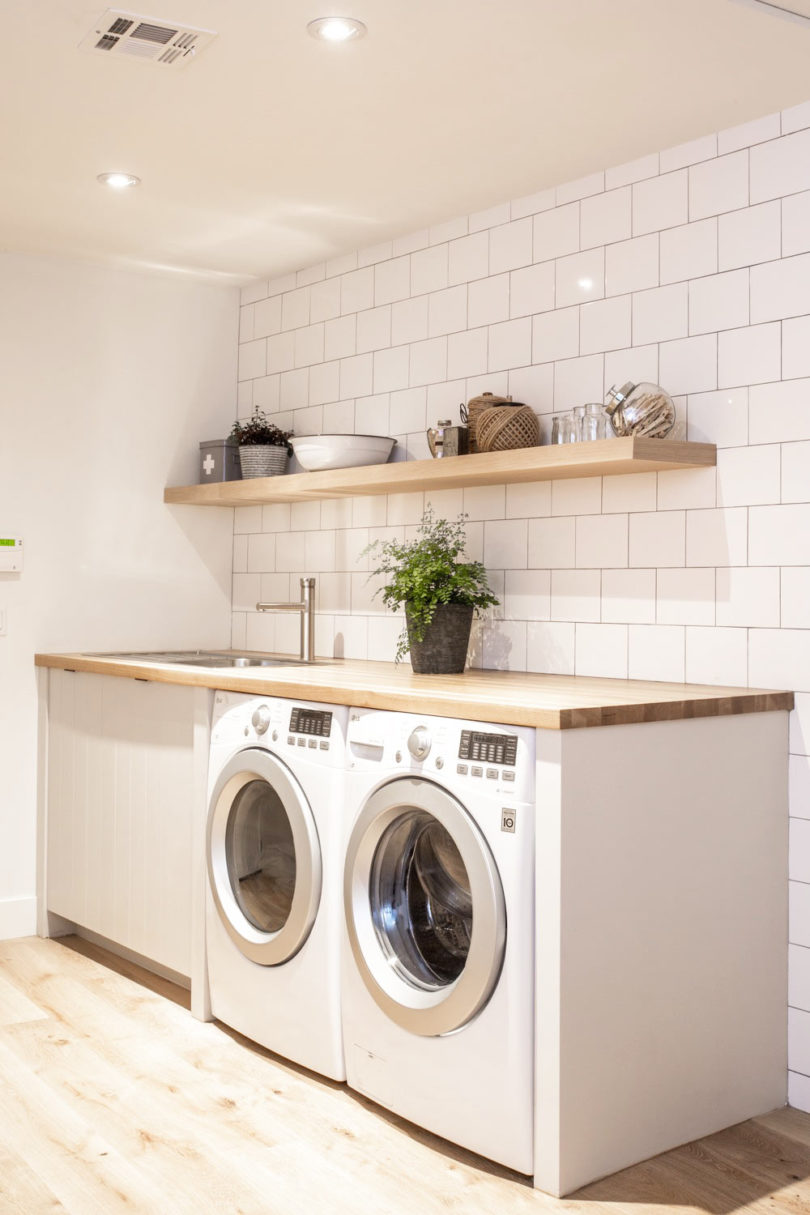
<point>420,1011</point>
<point>266,948</point>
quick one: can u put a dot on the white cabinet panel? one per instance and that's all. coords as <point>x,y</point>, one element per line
<point>121,812</point>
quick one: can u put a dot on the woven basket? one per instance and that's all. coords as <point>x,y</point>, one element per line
<point>507,426</point>
<point>263,461</point>
<point>471,412</point>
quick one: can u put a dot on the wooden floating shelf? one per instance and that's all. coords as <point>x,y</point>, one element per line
<point>600,458</point>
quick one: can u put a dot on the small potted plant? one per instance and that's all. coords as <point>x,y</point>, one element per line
<point>263,448</point>
<point>439,592</point>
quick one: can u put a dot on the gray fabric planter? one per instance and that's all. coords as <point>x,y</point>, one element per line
<point>263,461</point>
<point>447,637</point>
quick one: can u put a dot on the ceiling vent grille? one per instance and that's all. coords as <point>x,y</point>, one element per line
<point>149,38</point>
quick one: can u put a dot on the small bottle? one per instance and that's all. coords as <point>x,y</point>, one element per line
<point>578,413</point>
<point>562,428</point>
<point>594,424</point>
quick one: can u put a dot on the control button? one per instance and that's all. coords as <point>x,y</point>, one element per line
<point>419,742</point>
<point>275,736</point>
<point>290,740</point>
<point>398,757</point>
<point>312,743</point>
<point>302,742</point>
<point>324,745</point>
<point>508,775</point>
<point>492,773</point>
<point>439,762</point>
<point>477,772</point>
<point>462,769</point>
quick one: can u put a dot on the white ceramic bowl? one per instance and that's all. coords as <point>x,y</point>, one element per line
<point>315,452</point>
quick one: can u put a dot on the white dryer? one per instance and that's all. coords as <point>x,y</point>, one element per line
<point>438,991</point>
<point>275,846</point>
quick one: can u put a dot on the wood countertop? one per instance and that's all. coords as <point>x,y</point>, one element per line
<point>551,702</point>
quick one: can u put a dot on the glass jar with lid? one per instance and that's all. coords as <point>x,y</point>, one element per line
<point>642,409</point>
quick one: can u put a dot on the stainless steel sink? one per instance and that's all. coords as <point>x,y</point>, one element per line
<point>205,658</point>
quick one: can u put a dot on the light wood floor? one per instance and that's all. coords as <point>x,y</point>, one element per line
<point>114,1099</point>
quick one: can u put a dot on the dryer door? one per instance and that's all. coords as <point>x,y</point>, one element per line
<point>424,907</point>
<point>264,857</point>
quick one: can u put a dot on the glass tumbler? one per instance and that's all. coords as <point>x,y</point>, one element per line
<point>562,428</point>
<point>594,423</point>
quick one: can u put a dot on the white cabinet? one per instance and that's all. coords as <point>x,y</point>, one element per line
<point>120,812</point>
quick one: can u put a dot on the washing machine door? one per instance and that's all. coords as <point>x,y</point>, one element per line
<point>264,858</point>
<point>424,907</point>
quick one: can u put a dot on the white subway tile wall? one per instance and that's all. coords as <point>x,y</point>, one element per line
<point>690,268</point>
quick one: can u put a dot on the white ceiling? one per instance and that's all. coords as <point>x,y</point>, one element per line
<point>271,151</point>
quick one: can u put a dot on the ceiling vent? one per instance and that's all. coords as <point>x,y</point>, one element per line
<point>136,37</point>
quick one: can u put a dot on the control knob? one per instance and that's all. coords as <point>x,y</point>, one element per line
<point>261,719</point>
<point>419,742</point>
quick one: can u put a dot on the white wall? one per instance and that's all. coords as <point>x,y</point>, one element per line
<point>690,268</point>
<point>108,381</point>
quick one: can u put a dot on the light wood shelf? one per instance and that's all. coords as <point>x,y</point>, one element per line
<point>602,458</point>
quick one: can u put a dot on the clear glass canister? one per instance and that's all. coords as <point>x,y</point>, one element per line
<point>642,409</point>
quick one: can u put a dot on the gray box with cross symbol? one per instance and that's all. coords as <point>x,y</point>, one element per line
<point>219,461</point>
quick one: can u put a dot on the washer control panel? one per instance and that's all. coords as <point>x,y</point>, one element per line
<point>309,728</point>
<point>479,747</point>
<point>314,723</point>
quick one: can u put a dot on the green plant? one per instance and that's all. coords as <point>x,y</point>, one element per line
<point>424,573</point>
<point>258,432</point>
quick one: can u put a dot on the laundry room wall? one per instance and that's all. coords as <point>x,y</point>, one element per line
<point>689,267</point>
<point>108,380</point>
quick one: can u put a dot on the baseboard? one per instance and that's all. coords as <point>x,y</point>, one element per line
<point>129,955</point>
<point>18,918</point>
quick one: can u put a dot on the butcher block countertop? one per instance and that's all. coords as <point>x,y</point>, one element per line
<point>552,702</point>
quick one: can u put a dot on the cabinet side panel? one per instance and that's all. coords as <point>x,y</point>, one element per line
<point>547,954</point>
<point>674,935</point>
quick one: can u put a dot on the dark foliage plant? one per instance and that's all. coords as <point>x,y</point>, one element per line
<point>426,572</point>
<point>258,432</point>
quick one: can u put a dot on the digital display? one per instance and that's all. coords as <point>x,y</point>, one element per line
<point>7,543</point>
<point>314,722</point>
<point>488,748</point>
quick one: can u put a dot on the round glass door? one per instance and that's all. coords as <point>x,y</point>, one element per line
<point>421,901</point>
<point>424,907</point>
<point>260,855</point>
<point>264,862</point>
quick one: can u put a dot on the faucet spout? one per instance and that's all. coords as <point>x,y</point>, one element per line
<point>307,613</point>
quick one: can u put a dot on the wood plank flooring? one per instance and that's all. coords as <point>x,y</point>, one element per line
<point>113,1099</point>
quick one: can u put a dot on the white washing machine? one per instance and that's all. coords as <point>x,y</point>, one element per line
<point>438,991</point>
<point>275,846</point>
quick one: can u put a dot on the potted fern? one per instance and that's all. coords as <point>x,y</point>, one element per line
<point>439,593</point>
<point>263,448</point>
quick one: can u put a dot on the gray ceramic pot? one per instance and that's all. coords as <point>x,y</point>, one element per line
<point>447,638</point>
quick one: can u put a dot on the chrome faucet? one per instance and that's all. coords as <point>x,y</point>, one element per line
<point>305,609</point>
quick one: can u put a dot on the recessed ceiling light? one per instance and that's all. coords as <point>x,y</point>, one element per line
<point>336,29</point>
<point>118,181</point>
